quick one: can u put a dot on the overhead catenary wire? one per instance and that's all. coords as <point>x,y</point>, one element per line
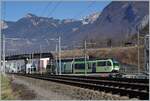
<point>53,10</point>
<point>81,12</point>
<point>46,7</point>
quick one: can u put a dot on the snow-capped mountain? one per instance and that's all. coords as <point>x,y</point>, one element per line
<point>118,20</point>
<point>91,18</point>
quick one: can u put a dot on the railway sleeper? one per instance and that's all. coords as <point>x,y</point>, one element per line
<point>130,93</point>
<point>141,87</point>
<point>122,92</point>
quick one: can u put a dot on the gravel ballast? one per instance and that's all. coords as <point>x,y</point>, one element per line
<point>47,90</point>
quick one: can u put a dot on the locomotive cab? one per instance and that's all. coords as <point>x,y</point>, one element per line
<point>116,66</point>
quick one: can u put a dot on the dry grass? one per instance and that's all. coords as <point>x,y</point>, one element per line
<point>127,55</point>
<point>6,91</point>
<point>13,91</point>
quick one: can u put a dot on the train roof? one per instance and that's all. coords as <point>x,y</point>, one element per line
<point>71,59</point>
<point>82,59</point>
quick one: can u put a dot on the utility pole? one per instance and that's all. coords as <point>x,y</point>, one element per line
<point>59,52</point>
<point>85,56</point>
<point>0,53</point>
<point>0,41</point>
<point>56,60</point>
<point>32,60</point>
<point>138,54</point>
<point>3,53</point>
<point>30,57</point>
<point>73,57</point>
<point>40,61</point>
<point>59,41</point>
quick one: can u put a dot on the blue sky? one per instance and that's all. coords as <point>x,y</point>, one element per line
<point>14,10</point>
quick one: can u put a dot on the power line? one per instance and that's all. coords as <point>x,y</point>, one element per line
<point>81,12</point>
<point>46,7</point>
<point>53,10</point>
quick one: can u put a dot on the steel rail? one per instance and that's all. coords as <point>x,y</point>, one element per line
<point>122,91</point>
<point>130,80</point>
<point>106,82</point>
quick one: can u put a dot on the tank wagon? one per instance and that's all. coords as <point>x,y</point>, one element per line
<point>80,66</point>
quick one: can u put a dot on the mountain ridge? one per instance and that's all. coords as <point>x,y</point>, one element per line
<point>118,21</point>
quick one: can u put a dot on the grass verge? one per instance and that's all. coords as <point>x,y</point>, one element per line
<point>6,90</point>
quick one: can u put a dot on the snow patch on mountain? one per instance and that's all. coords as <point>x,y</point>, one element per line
<point>91,18</point>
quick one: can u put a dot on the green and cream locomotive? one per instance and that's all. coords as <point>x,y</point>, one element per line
<point>80,66</point>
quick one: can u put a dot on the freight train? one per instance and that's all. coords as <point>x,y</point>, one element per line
<point>80,66</point>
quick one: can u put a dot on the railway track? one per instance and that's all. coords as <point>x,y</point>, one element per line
<point>128,80</point>
<point>130,89</point>
<point>144,87</point>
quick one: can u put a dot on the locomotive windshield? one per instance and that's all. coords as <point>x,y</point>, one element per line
<point>115,63</point>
